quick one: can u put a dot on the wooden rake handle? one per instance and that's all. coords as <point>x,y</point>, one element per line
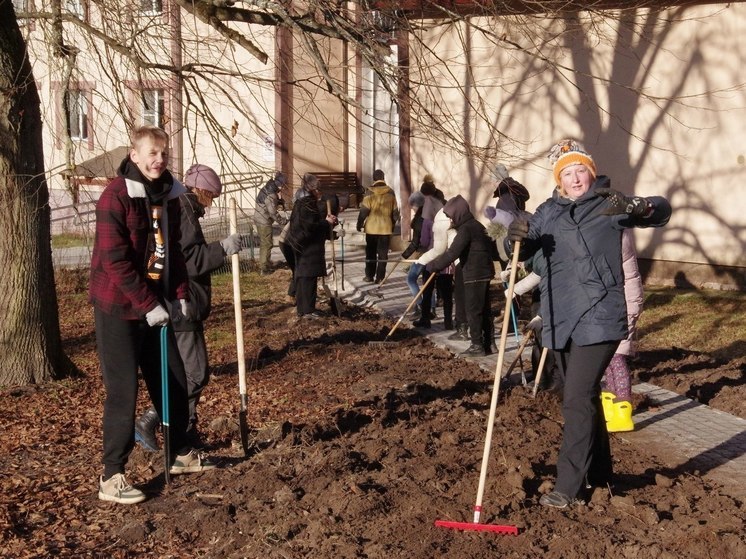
<point>496,384</point>
<point>411,304</point>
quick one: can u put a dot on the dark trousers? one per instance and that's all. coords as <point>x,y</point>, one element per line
<point>376,255</point>
<point>123,346</point>
<point>193,351</point>
<point>426,303</point>
<point>305,295</point>
<point>479,312</point>
<point>459,296</point>
<point>444,286</point>
<point>585,441</point>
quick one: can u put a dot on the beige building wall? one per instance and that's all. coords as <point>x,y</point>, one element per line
<point>224,119</point>
<point>664,116</point>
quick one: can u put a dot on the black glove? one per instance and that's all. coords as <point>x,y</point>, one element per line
<point>620,204</point>
<point>518,229</point>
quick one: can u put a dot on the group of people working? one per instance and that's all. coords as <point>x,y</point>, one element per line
<point>151,267</point>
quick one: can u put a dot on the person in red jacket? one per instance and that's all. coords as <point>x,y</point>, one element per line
<point>137,274</point>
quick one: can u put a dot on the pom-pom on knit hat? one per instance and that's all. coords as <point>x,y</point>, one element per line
<point>569,152</point>
<point>204,178</point>
<point>500,172</point>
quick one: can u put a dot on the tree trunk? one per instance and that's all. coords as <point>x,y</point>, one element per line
<point>30,344</point>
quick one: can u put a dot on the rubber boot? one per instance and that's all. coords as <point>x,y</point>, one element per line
<point>622,420</point>
<point>145,428</point>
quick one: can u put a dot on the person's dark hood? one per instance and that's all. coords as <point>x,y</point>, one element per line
<point>272,187</point>
<point>457,209</point>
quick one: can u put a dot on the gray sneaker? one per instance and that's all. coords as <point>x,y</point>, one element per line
<point>191,463</point>
<point>117,490</point>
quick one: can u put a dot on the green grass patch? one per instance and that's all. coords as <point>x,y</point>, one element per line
<point>699,320</point>
<point>68,240</point>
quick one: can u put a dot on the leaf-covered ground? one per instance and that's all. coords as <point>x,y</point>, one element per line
<point>357,450</point>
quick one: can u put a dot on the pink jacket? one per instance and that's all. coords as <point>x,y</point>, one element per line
<point>632,292</point>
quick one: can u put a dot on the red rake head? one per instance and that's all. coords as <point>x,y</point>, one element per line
<point>476,527</point>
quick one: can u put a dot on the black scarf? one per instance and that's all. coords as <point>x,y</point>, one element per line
<point>157,190</point>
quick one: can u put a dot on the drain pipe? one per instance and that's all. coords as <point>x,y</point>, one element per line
<point>176,117</point>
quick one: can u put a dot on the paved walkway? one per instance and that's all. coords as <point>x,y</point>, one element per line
<point>705,441</point>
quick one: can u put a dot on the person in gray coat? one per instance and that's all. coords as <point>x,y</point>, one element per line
<point>579,230</point>
<point>265,214</point>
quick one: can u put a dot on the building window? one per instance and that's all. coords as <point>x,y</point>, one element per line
<point>152,107</point>
<point>151,7</point>
<point>20,5</point>
<point>75,7</point>
<point>76,102</point>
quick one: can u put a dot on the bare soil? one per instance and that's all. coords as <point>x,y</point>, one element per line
<point>357,450</point>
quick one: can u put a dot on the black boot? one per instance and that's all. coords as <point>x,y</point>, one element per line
<point>474,350</point>
<point>461,334</point>
<point>489,340</point>
<point>145,428</point>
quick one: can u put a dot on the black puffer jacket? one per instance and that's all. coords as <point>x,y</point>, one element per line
<point>582,289</point>
<point>201,258</point>
<point>472,246</point>
<point>309,231</point>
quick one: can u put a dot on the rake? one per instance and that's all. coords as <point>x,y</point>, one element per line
<point>476,525</point>
<point>385,341</point>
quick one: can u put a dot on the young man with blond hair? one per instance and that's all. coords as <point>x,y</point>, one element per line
<point>137,275</point>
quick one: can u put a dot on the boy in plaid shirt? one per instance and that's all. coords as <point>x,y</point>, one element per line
<point>137,273</point>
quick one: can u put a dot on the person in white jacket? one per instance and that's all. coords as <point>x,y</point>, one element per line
<point>443,236</point>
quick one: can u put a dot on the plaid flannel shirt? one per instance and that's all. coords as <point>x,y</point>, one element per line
<point>118,284</point>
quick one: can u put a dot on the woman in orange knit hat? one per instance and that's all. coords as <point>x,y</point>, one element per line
<point>579,231</point>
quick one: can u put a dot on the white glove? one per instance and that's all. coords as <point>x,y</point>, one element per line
<point>340,234</point>
<point>157,316</point>
<point>505,275</point>
<point>231,244</point>
<point>181,310</point>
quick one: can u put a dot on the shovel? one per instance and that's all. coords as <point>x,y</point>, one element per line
<point>334,300</point>
<point>385,341</point>
<point>342,256</point>
<point>165,419</point>
<point>242,420</point>
<point>539,370</point>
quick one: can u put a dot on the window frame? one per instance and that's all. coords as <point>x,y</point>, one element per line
<point>158,111</point>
